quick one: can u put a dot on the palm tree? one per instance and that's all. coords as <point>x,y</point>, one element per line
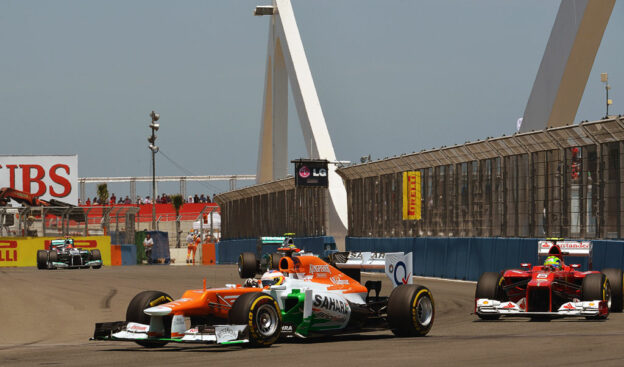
<point>177,201</point>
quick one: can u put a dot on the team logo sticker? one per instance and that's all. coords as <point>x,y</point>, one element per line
<point>304,172</point>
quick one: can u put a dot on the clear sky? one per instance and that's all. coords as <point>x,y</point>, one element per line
<point>394,76</point>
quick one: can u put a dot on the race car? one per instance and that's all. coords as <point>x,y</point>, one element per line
<point>552,290</point>
<point>63,254</point>
<point>305,297</point>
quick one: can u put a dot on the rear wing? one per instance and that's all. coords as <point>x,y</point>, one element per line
<point>397,265</point>
<point>569,248</point>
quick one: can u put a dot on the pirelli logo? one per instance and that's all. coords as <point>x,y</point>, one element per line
<point>8,251</point>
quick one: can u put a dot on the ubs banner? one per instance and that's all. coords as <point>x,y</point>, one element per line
<point>411,195</point>
<point>22,251</point>
<point>47,176</point>
<point>310,172</point>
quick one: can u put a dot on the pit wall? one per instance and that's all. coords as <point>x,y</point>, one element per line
<point>227,251</point>
<point>468,258</point>
<point>22,251</point>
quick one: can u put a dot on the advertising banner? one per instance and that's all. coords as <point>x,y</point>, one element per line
<point>310,172</point>
<point>411,195</point>
<point>47,176</point>
<point>22,251</point>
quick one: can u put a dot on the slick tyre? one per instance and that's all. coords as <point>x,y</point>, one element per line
<point>134,313</point>
<point>275,260</point>
<point>411,310</point>
<point>42,259</point>
<point>52,258</point>
<point>247,265</point>
<point>490,286</point>
<point>96,255</point>
<point>261,313</point>
<point>596,287</point>
<point>616,278</point>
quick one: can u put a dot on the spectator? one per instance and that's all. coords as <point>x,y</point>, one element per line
<point>127,201</point>
<point>196,199</point>
<point>95,200</point>
<point>147,200</point>
<point>79,203</point>
<point>202,198</point>
<point>148,244</point>
<point>208,198</point>
<point>113,199</point>
<point>121,200</point>
<point>88,202</point>
<point>190,199</point>
<point>138,200</point>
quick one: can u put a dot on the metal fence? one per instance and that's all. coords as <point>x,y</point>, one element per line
<point>560,182</point>
<point>273,209</point>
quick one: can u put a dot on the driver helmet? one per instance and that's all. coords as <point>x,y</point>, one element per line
<point>272,277</point>
<point>553,262</point>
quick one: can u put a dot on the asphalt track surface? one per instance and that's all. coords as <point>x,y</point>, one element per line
<point>48,316</point>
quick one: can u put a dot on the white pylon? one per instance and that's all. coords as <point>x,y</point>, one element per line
<point>286,61</point>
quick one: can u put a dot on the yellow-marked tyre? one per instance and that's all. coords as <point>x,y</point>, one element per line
<point>134,313</point>
<point>616,281</point>
<point>490,286</point>
<point>261,313</point>
<point>411,310</point>
<point>596,287</point>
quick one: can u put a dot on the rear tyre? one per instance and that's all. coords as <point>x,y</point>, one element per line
<point>596,287</point>
<point>616,278</point>
<point>261,313</point>
<point>134,313</point>
<point>490,286</point>
<point>96,255</point>
<point>247,265</point>
<point>274,261</point>
<point>411,310</point>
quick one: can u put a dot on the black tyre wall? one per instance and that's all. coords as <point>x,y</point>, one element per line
<point>615,278</point>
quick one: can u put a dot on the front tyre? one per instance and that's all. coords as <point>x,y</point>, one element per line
<point>42,259</point>
<point>261,313</point>
<point>490,286</point>
<point>615,278</point>
<point>247,265</point>
<point>96,255</point>
<point>134,313</point>
<point>411,310</point>
<point>596,287</point>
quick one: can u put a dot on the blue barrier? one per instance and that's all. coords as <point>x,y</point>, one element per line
<point>227,251</point>
<point>128,254</point>
<point>467,258</point>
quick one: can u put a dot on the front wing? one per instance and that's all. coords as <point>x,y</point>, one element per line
<point>570,309</point>
<point>134,332</point>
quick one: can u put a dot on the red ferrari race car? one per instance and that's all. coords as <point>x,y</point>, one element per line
<point>552,290</point>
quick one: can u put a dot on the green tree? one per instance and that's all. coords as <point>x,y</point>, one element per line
<point>102,193</point>
<point>177,201</point>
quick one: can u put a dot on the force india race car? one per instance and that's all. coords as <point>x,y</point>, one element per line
<point>305,297</point>
<point>551,292</point>
<point>63,254</point>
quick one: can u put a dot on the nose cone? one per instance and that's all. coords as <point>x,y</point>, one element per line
<point>158,311</point>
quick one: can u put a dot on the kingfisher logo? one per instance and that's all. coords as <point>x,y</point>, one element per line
<point>304,172</point>
<point>8,251</point>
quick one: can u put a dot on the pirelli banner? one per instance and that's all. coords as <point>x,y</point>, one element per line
<point>411,195</point>
<point>22,251</point>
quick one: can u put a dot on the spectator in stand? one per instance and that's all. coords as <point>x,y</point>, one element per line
<point>113,199</point>
<point>190,199</point>
<point>88,202</point>
<point>196,199</point>
<point>202,198</point>
<point>148,244</point>
<point>121,200</point>
<point>208,198</point>
<point>138,200</point>
<point>95,200</point>
<point>127,200</point>
<point>147,200</point>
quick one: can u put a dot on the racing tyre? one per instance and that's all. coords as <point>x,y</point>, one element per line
<point>135,313</point>
<point>247,265</point>
<point>52,257</point>
<point>490,286</point>
<point>261,313</point>
<point>596,287</point>
<point>616,278</point>
<point>96,255</point>
<point>411,310</point>
<point>42,259</point>
<point>275,260</point>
